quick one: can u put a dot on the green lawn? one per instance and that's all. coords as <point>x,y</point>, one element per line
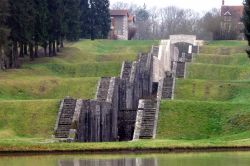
<point>235,59</point>
<point>194,120</point>
<point>210,90</point>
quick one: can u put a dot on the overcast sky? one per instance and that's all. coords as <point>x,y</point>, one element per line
<point>198,5</point>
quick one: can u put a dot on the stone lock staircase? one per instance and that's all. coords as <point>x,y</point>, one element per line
<point>146,117</point>
<point>181,69</point>
<point>155,50</point>
<point>126,70</point>
<point>168,86</point>
<point>102,91</point>
<point>64,121</point>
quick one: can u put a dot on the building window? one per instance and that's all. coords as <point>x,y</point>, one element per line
<point>227,18</point>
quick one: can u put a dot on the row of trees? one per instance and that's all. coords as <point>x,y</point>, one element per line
<point>26,26</point>
<point>160,23</point>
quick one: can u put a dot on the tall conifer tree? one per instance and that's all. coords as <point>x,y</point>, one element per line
<point>4,31</point>
<point>72,18</point>
<point>41,24</point>
<point>85,19</point>
<point>246,21</point>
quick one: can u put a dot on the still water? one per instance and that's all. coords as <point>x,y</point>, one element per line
<point>185,159</point>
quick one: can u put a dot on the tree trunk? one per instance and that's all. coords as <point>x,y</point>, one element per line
<point>50,49</point>
<point>58,45</point>
<point>54,48</point>
<point>45,45</point>
<point>61,42</point>
<point>92,34</point>
<point>21,54</point>
<point>25,49</point>
<point>1,58</point>
<point>36,50</point>
<point>31,51</point>
<point>15,61</point>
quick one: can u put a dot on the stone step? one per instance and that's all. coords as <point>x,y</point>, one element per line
<point>65,119</point>
<point>148,119</point>
<point>66,122</point>
<point>63,126</point>
<point>103,88</point>
<point>127,67</point>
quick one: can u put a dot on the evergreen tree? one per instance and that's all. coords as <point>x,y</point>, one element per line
<point>105,21</point>
<point>41,25</point>
<point>246,21</point>
<point>4,31</point>
<point>28,23</point>
<point>17,30</point>
<point>72,19</point>
<point>34,23</point>
<point>85,19</point>
<point>93,18</point>
<point>100,18</point>
<point>54,25</point>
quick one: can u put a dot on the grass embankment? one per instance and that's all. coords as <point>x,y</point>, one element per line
<point>211,109</point>
<point>29,97</point>
<point>212,103</point>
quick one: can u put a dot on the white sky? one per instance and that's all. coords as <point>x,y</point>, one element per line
<point>198,5</point>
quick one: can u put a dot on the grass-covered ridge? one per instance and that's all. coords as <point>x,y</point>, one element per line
<point>29,97</point>
<point>202,120</point>
<point>211,106</point>
<point>213,101</point>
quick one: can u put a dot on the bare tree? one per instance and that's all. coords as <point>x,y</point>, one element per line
<point>132,8</point>
<point>210,23</point>
<point>174,20</point>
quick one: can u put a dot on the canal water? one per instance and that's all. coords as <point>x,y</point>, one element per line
<point>179,159</point>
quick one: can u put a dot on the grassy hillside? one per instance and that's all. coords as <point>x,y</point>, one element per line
<point>29,97</point>
<point>202,120</point>
<point>213,101</point>
<point>211,106</point>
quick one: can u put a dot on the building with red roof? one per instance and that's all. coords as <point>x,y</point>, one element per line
<point>231,21</point>
<point>121,21</point>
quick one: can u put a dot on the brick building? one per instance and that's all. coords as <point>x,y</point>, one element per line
<point>121,22</point>
<point>231,24</point>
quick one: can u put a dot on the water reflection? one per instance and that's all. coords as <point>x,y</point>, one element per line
<point>182,159</point>
<point>113,162</point>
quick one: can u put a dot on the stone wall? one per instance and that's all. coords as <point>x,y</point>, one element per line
<point>95,122</point>
<point>126,124</point>
<point>134,85</point>
<point>191,39</point>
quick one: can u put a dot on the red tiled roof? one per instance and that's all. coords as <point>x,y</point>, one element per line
<point>235,11</point>
<point>118,12</point>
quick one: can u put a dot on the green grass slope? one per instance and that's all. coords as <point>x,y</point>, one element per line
<point>210,90</point>
<point>27,118</point>
<point>29,97</point>
<point>213,101</point>
<point>202,120</point>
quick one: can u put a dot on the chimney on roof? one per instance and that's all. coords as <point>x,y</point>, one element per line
<point>223,2</point>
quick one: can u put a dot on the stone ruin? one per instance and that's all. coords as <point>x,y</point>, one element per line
<point>126,107</point>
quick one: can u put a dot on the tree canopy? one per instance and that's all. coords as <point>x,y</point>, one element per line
<point>26,26</point>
